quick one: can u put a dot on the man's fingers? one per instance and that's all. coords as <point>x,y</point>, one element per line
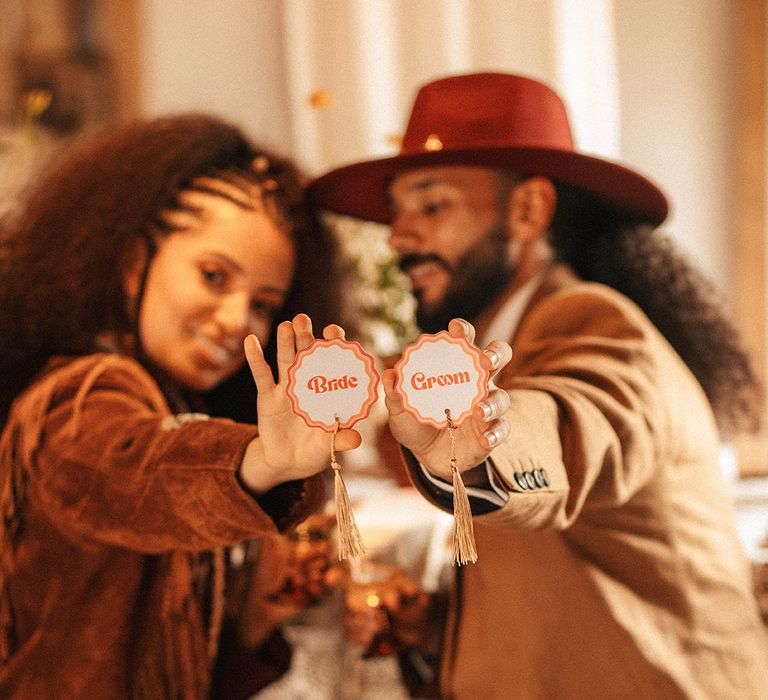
<point>494,406</point>
<point>496,432</point>
<point>392,399</point>
<point>459,328</point>
<point>498,354</point>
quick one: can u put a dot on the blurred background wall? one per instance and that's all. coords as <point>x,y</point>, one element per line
<point>674,89</point>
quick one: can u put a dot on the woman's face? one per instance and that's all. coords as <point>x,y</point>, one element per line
<point>222,273</point>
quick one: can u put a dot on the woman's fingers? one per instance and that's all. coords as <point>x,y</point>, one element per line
<point>292,336</point>
<point>347,439</point>
<point>261,371</point>
<point>333,331</point>
<point>302,327</point>
<point>286,348</point>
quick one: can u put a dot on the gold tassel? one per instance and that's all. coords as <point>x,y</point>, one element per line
<point>464,549</point>
<point>350,541</point>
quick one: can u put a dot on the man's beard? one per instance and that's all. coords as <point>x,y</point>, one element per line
<point>479,278</point>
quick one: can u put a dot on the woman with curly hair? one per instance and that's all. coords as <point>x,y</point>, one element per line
<point>141,276</point>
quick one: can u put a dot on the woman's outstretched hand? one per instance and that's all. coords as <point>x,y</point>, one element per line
<point>286,448</point>
<point>475,437</point>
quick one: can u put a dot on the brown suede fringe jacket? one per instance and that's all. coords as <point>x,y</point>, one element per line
<point>115,515</point>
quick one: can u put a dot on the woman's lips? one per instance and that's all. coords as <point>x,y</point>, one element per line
<point>214,353</point>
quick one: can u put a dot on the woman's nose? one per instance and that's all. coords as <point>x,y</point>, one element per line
<point>233,313</point>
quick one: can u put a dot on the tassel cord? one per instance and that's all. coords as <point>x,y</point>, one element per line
<point>464,548</point>
<point>350,541</point>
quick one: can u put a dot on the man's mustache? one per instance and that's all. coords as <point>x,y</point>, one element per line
<point>409,260</point>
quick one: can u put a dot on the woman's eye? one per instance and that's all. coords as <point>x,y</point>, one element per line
<point>213,276</point>
<point>433,208</point>
<point>264,308</point>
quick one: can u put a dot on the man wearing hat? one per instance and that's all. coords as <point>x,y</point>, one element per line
<point>608,562</point>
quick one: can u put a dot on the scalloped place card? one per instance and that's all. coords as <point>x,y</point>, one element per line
<point>332,378</point>
<point>440,372</point>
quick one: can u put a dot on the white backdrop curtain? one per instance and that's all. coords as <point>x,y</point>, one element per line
<point>367,57</point>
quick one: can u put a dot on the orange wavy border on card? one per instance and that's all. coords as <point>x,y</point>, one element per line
<point>471,351</point>
<point>368,368</point>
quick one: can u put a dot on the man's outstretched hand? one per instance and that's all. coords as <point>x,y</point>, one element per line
<point>476,437</point>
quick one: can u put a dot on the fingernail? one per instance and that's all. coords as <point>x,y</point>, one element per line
<point>492,438</point>
<point>486,409</point>
<point>493,356</point>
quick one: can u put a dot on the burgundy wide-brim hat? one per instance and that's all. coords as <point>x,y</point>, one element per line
<point>493,120</point>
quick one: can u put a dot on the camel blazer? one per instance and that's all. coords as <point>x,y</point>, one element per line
<point>614,569</point>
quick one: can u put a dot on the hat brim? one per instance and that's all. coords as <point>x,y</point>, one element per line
<point>360,189</point>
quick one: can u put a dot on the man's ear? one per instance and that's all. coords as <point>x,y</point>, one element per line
<point>531,206</point>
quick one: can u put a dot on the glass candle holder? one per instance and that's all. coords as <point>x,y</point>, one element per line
<point>310,556</point>
<point>366,588</point>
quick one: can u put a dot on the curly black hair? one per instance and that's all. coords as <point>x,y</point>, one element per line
<point>65,248</point>
<point>601,245</point>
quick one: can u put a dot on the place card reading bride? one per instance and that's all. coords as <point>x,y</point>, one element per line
<point>333,384</point>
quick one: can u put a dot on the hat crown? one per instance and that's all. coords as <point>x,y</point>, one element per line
<point>486,110</point>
